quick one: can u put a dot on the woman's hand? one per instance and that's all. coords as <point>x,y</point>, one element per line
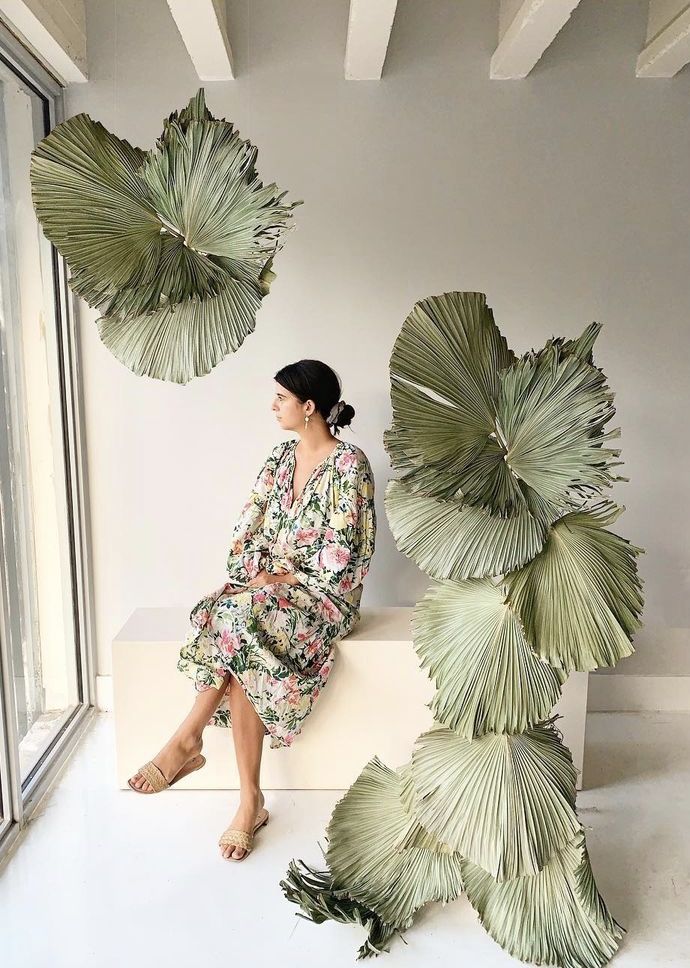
<point>268,578</point>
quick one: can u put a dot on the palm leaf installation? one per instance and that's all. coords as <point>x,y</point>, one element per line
<point>504,460</point>
<point>173,246</point>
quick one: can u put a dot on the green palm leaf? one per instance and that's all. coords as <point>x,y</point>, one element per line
<point>555,917</point>
<point>449,539</point>
<point>187,338</point>
<point>580,599</point>
<point>505,801</point>
<point>365,855</point>
<point>173,246</point>
<point>487,677</point>
<point>94,208</point>
<point>551,414</point>
<point>444,384</point>
<point>315,894</point>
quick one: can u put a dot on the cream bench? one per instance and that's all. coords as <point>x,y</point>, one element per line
<point>374,703</point>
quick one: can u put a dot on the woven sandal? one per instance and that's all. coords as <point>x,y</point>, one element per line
<point>156,778</point>
<point>233,837</point>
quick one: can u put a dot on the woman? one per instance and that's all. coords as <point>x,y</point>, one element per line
<point>261,647</point>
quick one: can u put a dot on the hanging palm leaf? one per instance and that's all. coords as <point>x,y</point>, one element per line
<point>505,801</point>
<point>173,246</point>
<point>554,918</point>
<point>487,677</point>
<point>580,598</point>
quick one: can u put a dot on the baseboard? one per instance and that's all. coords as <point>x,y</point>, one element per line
<point>625,693</point>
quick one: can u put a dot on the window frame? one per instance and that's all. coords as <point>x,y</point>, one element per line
<point>19,801</point>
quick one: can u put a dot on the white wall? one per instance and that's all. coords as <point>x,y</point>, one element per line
<point>565,197</point>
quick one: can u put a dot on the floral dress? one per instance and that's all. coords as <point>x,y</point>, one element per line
<point>278,639</point>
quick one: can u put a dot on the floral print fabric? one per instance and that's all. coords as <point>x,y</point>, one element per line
<point>278,639</point>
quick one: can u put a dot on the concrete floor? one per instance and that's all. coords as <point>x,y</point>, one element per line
<point>103,876</point>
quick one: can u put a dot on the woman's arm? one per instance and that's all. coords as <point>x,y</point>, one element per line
<point>248,552</point>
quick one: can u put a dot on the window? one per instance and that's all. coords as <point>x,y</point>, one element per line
<point>45,669</point>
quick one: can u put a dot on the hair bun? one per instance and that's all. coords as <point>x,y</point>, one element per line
<point>341,414</point>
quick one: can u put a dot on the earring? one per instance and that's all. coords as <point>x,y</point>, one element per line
<point>306,421</point>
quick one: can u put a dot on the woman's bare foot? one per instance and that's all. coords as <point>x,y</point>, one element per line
<point>251,805</point>
<point>176,752</point>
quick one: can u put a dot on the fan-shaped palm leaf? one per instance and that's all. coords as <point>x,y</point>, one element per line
<point>487,677</point>
<point>505,801</point>
<point>364,854</point>
<point>450,539</point>
<point>551,414</point>
<point>580,598</point>
<point>555,917</point>
<point>185,228</point>
<point>450,348</point>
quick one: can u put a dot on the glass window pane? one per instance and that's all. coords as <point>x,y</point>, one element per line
<point>43,648</point>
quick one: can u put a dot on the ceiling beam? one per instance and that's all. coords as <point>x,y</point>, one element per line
<point>667,48</point>
<point>203,28</point>
<point>368,33</point>
<point>55,30</point>
<point>526,28</point>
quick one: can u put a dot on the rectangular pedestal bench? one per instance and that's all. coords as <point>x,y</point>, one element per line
<point>374,703</point>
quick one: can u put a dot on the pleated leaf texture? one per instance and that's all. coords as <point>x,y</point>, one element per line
<point>368,855</point>
<point>580,598</point>
<point>554,918</point>
<point>506,801</point>
<point>173,246</point>
<point>503,462</point>
<point>487,677</point>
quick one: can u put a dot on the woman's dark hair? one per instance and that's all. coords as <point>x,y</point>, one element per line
<point>314,380</point>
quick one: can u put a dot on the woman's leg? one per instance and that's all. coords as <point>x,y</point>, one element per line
<point>186,741</point>
<point>248,735</point>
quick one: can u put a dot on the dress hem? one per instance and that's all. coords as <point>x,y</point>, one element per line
<point>200,673</point>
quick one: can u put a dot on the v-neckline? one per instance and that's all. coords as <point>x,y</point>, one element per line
<point>293,462</point>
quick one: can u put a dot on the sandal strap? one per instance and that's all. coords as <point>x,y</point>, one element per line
<point>154,776</point>
<point>238,838</point>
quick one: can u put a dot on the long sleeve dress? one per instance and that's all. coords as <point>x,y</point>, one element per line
<point>278,639</point>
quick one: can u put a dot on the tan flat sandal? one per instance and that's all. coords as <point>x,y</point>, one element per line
<point>157,779</point>
<point>234,837</point>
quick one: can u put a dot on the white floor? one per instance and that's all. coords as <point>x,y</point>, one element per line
<point>103,875</point>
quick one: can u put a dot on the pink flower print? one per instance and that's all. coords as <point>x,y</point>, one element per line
<point>332,613</point>
<point>330,534</point>
<point>346,585</point>
<point>335,557</point>
<point>283,602</point>
<point>346,459</point>
<point>267,478</point>
<point>306,535</point>
<point>315,692</point>
<point>282,475</point>
<point>201,617</point>
<point>259,596</point>
<point>229,641</point>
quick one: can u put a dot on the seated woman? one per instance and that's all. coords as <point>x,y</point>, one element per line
<point>261,647</point>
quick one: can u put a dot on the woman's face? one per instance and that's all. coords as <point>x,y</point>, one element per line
<point>289,410</point>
